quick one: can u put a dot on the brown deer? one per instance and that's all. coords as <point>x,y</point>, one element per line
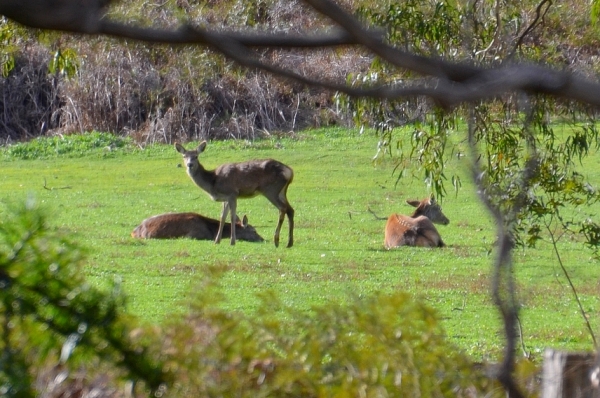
<point>418,229</point>
<point>231,181</point>
<point>191,225</point>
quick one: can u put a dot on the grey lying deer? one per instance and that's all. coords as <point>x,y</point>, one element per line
<point>231,181</point>
<point>191,225</point>
<point>417,229</point>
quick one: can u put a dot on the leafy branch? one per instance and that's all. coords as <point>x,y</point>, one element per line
<point>45,303</point>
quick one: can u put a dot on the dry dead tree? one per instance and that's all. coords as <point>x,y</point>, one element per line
<point>448,83</point>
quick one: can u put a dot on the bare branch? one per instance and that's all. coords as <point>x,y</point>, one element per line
<point>503,286</point>
<point>375,215</point>
<point>554,241</point>
<point>538,15</point>
<point>188,34</point>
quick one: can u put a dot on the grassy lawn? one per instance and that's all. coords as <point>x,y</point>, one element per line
<point>99,198</point>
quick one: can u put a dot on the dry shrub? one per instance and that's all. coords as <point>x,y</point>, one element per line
<point>163,94</point>
<point>125,91</point>
<point>114,91</point>
<point>154,97</point>
<point>29,98</point>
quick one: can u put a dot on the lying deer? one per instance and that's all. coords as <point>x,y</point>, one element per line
<point>191,225</point>
<point>418,229</point>
<point>231,181</point>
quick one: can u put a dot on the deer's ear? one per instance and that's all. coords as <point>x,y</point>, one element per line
<point>201,147</point>
<point>245,221</point>
<point>413,203</point>
<point>179,148</point>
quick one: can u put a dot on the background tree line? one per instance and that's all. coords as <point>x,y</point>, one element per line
<point>56,83</point>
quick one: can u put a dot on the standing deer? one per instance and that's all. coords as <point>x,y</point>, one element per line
<point>191,225</point>
<point>231,181</point>
<point>418,229</point>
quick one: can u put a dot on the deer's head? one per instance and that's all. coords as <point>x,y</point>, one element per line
<point>429,208</point>
<point>190,158</point>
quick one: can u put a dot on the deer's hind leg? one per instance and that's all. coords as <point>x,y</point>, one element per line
<point>290,215</point>
<point>280,201</point>
<point>278,229</point>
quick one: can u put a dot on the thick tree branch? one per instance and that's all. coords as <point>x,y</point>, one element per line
<point>188,34</point>
<point>79,16</point>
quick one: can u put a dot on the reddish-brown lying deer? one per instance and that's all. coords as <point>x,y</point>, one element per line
<point>418,229</point>
<point>231,181</point>
<point>191,225</point>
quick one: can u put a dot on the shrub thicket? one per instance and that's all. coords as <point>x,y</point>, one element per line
<point>156,93</point>
<point>161,94</point>
<point>52,321</point>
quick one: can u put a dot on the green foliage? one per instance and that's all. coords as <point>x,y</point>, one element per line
<point>595,11</point>
<point>431,28</point>
<point>76,145</point>
<point>64,62</point>
<point>8,46</point>
<point>46,307</point>
<point>557,187</point>
<point>429,148</point>
<point>381,345</point>
<point>508,132</point>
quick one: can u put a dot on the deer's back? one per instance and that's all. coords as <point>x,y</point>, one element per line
<point>189,225</point>
<point>252,177</point>
<point>401,230</point>
<point>176,225</point>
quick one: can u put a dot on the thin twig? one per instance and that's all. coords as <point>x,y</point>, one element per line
<point>51,189</point>
<point>375,215</point>
<point>538,15</point>
<point>564,270</point>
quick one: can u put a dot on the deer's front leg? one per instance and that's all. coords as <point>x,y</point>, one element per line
<point>222,222</point>
<point>233,208</point>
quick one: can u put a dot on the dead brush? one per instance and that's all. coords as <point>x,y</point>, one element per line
<point>161,95</point>
<point>112,96</point>
<point>29,98</point>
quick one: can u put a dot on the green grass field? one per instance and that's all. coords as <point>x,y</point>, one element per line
<point>100,197</point>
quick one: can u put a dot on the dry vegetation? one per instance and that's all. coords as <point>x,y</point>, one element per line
<point>161,94</point>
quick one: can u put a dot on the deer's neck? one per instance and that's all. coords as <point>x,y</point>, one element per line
<point>205,179</point>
